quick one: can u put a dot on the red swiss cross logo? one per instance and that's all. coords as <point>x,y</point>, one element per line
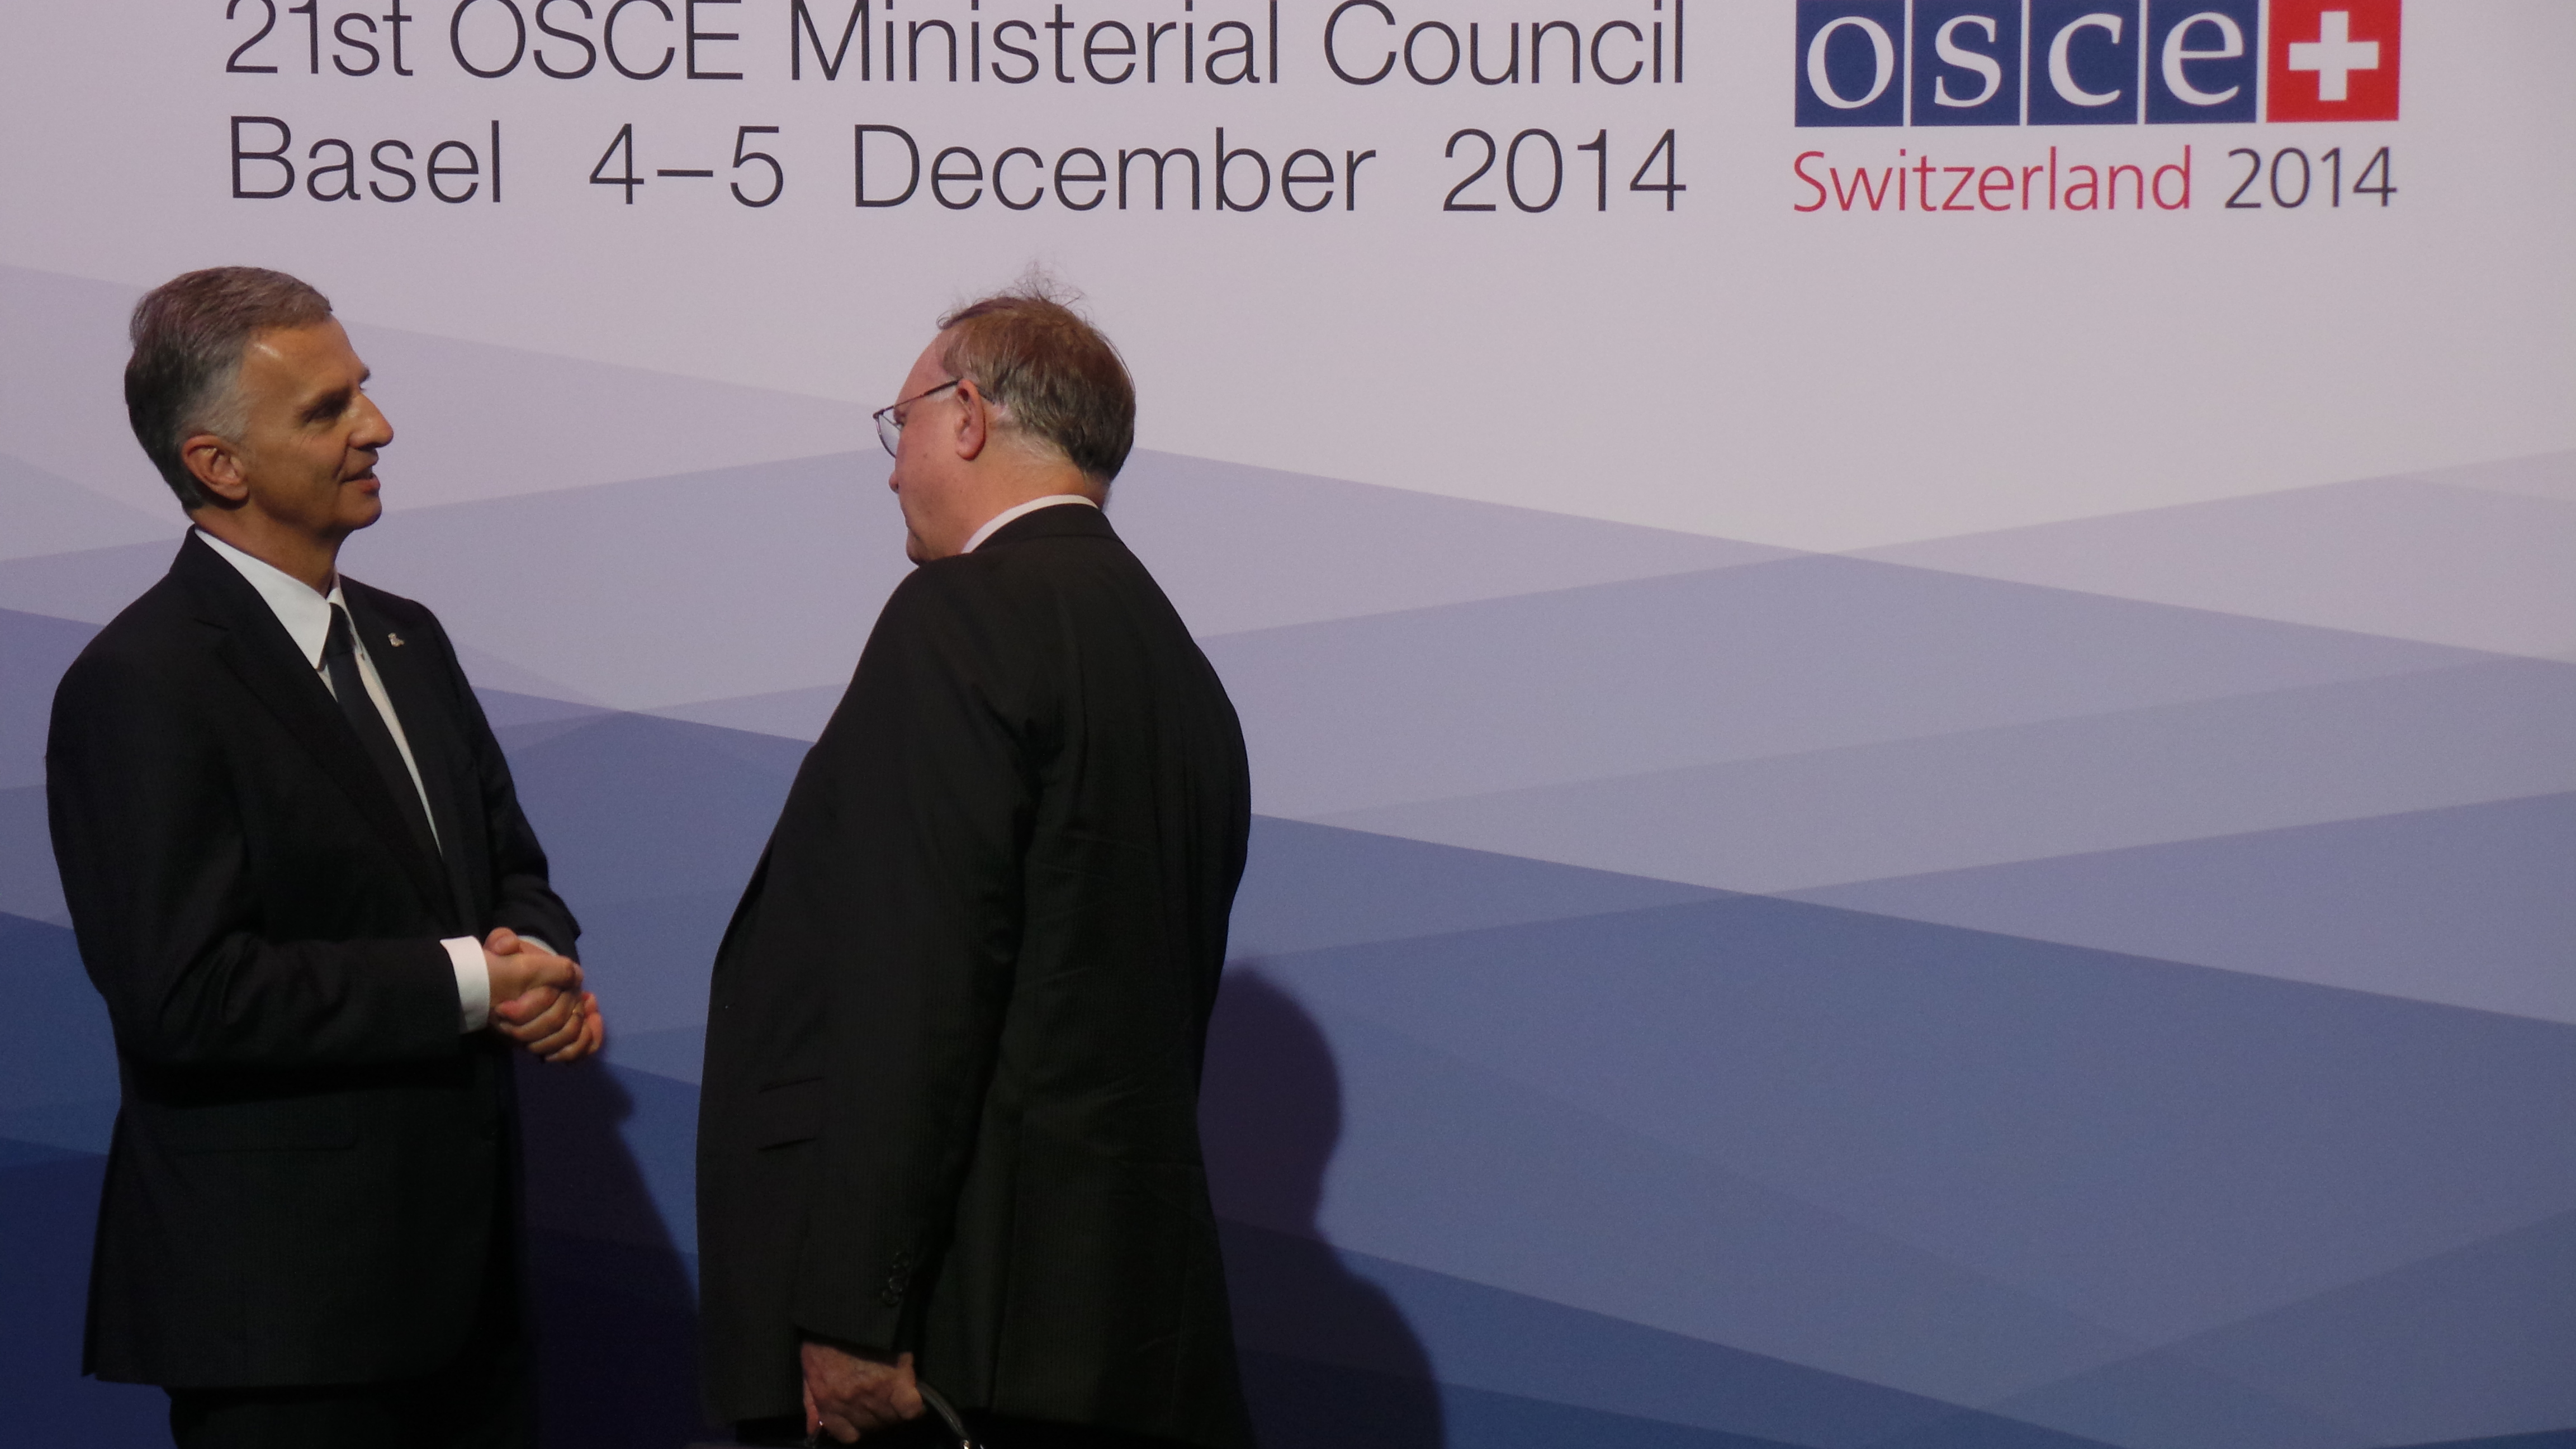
<point>2333,60</point>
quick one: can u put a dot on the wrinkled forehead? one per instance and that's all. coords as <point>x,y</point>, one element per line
<point>300,362</point>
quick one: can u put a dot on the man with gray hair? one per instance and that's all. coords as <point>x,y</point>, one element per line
<point>299,875</point>
<point>948,1141</point>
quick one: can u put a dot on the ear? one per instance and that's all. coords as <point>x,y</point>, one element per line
<point>974,422</point>
<point>217,467</point>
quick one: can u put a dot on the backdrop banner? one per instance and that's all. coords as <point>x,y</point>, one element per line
<point>1910,664</point>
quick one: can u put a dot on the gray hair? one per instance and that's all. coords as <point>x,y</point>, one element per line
<point>189,335</point>
<point>1050,374</point>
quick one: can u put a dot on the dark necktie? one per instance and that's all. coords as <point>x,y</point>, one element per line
<point>340,656</point>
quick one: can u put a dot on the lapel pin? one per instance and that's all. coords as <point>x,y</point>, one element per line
<point>394,639</point>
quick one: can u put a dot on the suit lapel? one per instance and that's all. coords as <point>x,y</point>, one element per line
<point>426,715</point>
<point>256,648</point>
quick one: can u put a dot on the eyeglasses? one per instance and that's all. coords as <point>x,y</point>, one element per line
<point>890,424</point>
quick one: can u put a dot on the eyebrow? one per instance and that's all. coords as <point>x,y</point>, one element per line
<point>331,404</point>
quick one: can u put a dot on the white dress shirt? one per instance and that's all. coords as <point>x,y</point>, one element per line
<point>994,524</point>
<point>307,617</point>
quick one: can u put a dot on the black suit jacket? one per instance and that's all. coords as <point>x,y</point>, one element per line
<point>313,1173</point>
<point>953,1045</point>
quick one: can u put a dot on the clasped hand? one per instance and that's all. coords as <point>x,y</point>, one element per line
<point>537,1000</point>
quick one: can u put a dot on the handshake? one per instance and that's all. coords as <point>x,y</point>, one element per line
<point>537,1000</point>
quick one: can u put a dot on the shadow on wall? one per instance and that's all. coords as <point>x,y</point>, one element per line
<point>1328,1361</point>
<point>616,1304</point>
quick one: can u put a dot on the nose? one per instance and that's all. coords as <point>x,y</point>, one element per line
<point>374,431</point>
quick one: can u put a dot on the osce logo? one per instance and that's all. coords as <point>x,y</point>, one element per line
<point>2095,62</point>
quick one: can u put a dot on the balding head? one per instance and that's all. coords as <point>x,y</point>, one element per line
<point>1050,376</point>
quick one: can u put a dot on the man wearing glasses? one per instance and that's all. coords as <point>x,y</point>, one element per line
<point>949,1133</point>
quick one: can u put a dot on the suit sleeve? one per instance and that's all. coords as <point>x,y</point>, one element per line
<point>153,865</point>
<point>523,896</point>
<point>908,859</point>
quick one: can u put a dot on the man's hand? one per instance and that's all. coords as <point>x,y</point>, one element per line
<point>847,1395</point>
<point>537,1001</point>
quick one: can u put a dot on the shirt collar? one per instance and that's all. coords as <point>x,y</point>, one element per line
<point>994,524</point>
<point>306,614</point>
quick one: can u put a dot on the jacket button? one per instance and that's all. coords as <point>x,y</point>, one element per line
<point>891,1298</point>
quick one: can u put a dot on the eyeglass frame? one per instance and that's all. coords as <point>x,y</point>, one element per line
<point>890,427</point>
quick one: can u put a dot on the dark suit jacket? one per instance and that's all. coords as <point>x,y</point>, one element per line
<point>953,1045</point>
<point>313,1171</point>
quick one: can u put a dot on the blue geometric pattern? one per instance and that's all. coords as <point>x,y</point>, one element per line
<point>1684,992</point>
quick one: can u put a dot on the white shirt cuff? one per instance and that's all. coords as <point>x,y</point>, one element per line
<point>473,982</point>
